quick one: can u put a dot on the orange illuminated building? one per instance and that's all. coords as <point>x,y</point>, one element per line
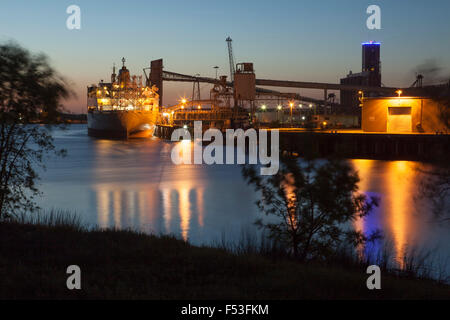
<point>401,115</point>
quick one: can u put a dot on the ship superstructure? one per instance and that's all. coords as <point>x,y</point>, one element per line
<point>122,108</point>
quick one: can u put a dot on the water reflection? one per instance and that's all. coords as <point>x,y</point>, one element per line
<point>363,225</point>
<point>200,208</point>
<point>140,210</point>
<point>400,184</point>
<point>175,203</point>
<point>134,184</point>
<point>396,216</point>
<point>167,216</point>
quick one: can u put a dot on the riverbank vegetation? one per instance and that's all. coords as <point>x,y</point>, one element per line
<point>34,256</point>
<point>29,89</point>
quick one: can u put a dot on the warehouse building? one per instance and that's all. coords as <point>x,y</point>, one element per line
<point>402,115</point>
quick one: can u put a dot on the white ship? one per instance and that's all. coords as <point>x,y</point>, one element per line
<point>123,108</point>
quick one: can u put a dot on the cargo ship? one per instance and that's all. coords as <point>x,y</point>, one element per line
<point>123,108</point>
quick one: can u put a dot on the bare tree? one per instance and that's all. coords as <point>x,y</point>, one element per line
<point>29,90</point>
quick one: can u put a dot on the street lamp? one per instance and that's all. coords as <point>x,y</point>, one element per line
<point>291,105</point>
<point>310,108</point>
<point>361,97</point>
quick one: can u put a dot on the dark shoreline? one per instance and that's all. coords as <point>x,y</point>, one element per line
<point>128,265</point>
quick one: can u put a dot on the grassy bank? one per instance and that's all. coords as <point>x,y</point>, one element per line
<point>128,265</point>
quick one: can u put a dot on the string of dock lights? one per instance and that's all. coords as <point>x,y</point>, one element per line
<point>291,105</point>
<point>280,107</point>
<point>184,101</point>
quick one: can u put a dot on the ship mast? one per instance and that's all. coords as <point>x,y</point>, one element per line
<point>113,75</point>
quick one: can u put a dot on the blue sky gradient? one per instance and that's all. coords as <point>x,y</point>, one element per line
<point>301,40</point>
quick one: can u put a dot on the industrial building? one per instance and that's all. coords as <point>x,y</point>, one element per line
<point>369,76</point>
<point>402,115</point>
<point>247,101</point>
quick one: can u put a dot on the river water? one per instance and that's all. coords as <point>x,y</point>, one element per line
<point>134,184</point>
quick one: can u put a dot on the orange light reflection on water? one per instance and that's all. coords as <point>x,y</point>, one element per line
<point>185,212</point>
<point>200,206</point>
<point>400,185</point>
<point>364,169</point>
<point>395,215</point>
<point>174,197</point>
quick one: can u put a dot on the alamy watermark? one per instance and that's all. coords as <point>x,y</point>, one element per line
<point>73,21</point>
<point>74,280</point>
<point>374,281</point>
<point>374,20</point>
<point>213,153</point>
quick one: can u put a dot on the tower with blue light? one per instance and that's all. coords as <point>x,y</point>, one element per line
<point>371,63</point>
<point>370,75</point>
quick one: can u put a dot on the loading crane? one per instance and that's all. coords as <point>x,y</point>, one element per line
<point>231,58</point>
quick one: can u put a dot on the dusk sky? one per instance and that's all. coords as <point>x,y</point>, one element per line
<point>288,40</point>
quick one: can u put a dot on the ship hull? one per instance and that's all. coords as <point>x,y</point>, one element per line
<point>121,124</point>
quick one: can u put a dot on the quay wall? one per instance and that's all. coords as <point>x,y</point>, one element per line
<point>414,147</point>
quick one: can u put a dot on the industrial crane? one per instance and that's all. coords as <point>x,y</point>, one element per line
<point>231,58</point>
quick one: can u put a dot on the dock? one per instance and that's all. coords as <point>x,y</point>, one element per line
<point>356,144</point>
